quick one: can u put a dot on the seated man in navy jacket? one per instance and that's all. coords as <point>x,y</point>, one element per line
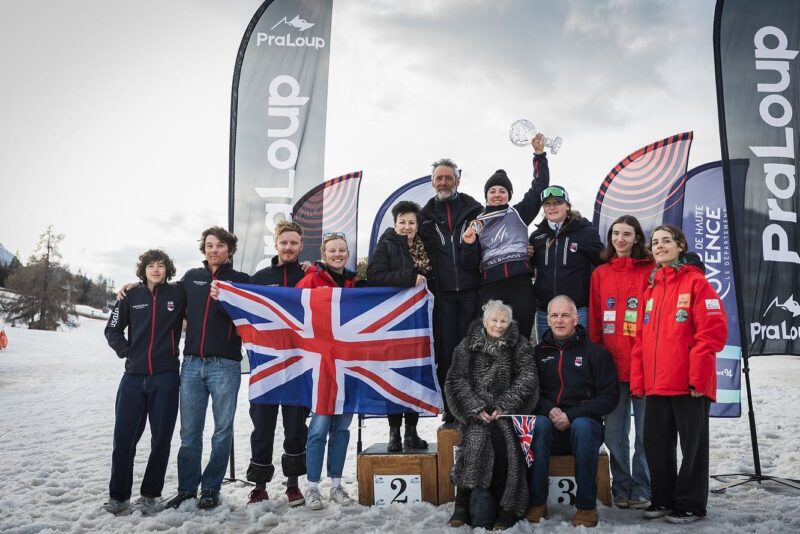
<point>578,386</point>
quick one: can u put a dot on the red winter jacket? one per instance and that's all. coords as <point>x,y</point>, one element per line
<point>318,276</point>
<point>615,304</point>
<point>682,329</point>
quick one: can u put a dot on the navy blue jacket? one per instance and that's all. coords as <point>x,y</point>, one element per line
<point>578,377</point>
<point>209,330</point>
<point>285,275</point>
<point>153,322</point>
<point>444,245</point>
<point>564,261</point>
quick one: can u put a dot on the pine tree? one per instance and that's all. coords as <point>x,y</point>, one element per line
<point>44,287</point>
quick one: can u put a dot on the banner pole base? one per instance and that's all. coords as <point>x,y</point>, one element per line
<point>752,477</point>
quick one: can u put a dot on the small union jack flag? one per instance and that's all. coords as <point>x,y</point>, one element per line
<point>334,350</point>
<point>523,425</point>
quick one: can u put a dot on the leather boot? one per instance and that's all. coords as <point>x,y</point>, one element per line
<point>412,440</point>
<point>394,440</point>
<point>461,510</point>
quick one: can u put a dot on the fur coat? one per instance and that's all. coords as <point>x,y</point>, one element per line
<point>486,374</point>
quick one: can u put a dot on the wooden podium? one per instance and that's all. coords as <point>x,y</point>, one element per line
<point>406,476</point>
<point>563,467</point>
<point>448,439</point>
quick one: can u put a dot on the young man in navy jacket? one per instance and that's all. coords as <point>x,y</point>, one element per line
<point>212,356</point>
<point>577,387</point>
<point>152,314</point>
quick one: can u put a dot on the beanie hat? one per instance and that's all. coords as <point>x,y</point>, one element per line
<point>498,178</point>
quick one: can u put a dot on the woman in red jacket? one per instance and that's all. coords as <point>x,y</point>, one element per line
<point>615,302</point>
<point>673,363</point>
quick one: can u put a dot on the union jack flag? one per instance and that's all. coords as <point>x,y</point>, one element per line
<point>523,425</point>
<point>334,350</point>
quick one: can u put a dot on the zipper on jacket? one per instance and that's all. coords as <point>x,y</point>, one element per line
<point>566,248</point>
<point>172,340</point>
<point>455,261</point>
<point>560,374</point>
<point>205,317</point>
<point>285,279</point>
<point>152,335</point>
<point>555,268</point>
<point>657,326</point>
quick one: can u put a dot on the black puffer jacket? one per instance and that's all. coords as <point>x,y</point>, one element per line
<point>579,377</point>
<point>564,261</point>
<point>283,275</point>
<point>153,321</point>
<point>391,264</point>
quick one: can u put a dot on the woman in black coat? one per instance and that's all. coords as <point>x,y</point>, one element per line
<point>400,260</point>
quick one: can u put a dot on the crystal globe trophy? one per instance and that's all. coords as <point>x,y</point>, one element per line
<point>522,131</point>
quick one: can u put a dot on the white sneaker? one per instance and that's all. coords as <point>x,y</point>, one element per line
<point>340,496</point>
<point>624,502</point>
<point>639,503</point>
<point>113,506</point>
<point>147,505</point>
<point>313,499</point>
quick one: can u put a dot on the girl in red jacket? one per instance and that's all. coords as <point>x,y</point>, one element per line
<point>673,363</point>
<point>615,302</point>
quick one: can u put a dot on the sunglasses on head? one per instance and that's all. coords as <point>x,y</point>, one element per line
<point>330,235</point>
<point>553,192</point>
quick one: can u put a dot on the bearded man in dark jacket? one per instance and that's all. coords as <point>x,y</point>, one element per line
<point>579,386</point>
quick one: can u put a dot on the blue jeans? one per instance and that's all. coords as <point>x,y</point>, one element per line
<point>200,378</point>
<point>582,439</point>
<point>618,428</point>
<point>141,398</point>
<point>542,326</point>
<point>321,426</point>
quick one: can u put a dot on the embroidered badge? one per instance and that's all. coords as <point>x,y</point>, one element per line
<point>170,305</point>
<point>649,305</point>
<point>609,315</point>
<point>646,317</point>
<point>578,361</point>
<point>573,247</point>
<point>712,304</point>
<point>630,316</point>
<point>629,329</point>
<point>681,316</point>
<point>608,328</point>
<point>611,302</point>
<point>633,302</point>
<point>684,299</point>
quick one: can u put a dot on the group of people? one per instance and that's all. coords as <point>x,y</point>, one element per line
<point>572,331</point>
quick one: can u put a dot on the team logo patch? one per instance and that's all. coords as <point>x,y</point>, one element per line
<point>578,361</point>
<point>573,247</point>
<point>170,305</point>
<point>633,302</point>
<point>609,315</point>
<point>608,328</point>
<point>629,329</point>
<point>646,317</point>
<point>611,302</point>
<point>684,300</point>
<point>712,304</point>
<point>681,316</point>
<point>649,305</point>
<point>631,316</point>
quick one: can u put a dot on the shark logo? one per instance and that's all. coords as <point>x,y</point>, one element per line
<point>296,22</point>
<point>790,306</point>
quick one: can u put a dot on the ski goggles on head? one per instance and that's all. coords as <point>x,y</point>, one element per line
<point>556,192</point>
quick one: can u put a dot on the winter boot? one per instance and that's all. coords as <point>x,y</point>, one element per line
<point>412,440</point>
<point>461,511</point>
<point>394,440</point>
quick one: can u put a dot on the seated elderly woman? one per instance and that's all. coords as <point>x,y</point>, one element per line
<point>493,374</point>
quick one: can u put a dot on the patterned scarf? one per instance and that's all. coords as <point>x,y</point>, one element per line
<point>420,258</point>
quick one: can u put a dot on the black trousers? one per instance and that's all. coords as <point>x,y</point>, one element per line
<point>667,419</point>
<point>516,292</point>
<point>396,419</point>
<point>295,434</point>
<point>454,311</point>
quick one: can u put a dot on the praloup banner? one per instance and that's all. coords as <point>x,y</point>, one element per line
<point>278,112</point>
<point>758,86</point>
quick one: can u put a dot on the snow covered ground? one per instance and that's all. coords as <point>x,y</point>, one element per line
<point>57,394</point>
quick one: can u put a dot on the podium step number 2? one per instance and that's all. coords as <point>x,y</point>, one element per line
<point>403,489</point>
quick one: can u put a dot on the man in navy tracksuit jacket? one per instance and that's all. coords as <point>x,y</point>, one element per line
<point>285,271</point>
<point>212,357</point>
<point>444,219</point>
<point>152,314</point>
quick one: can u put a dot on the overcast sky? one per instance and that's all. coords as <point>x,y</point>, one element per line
<point>114,116</point>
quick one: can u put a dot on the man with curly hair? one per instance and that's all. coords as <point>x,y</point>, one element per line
<point>152,314</point>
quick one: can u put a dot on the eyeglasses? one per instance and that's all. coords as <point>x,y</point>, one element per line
<point>333,235</point>
<point>553,192</point>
